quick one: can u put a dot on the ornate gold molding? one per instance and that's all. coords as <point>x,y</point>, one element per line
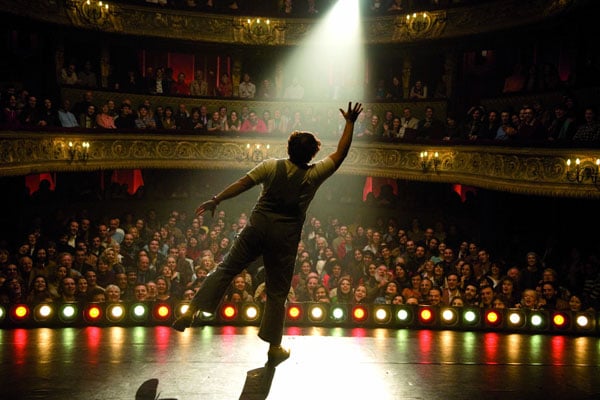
<point>214,28</point>
<point>532,171</point>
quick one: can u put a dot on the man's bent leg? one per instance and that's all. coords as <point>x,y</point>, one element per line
<point>279,271</point>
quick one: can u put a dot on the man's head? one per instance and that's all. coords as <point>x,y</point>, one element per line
<point>302,147</point>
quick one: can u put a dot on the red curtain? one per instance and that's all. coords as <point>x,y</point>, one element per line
<point>463,191</point>
<point>182,63</point>
<point>33,181</point>
<point>130,177</point>
<point>374,184</point>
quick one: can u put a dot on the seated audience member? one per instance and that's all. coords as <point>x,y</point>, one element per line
<point>430,127</point>
<point>144,119</point>
<point>562,127</point>
<point>180,87</point>
<point>253,124</point>
<point>168,120</point>
<point>30,113</point>
<point>225,87</point>
<point>87,76</point>
<point>48,115</point>
<point>506,130</point>
<point>104,119</point>
<point>126,118</point>
<point>247,89</point>
<point>66,118</point>
<point>199,86</point>
<point>68,75</point>
<point>418,91</point>
<point>589,130</point>
<point>88,118</point>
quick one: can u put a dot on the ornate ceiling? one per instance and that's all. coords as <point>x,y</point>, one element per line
<point>213,28</point>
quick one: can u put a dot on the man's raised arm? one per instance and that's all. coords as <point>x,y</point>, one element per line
<point>346,140</point>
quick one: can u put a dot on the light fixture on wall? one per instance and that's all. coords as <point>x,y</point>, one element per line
<point>418,22</point>
<point>255,152</point>
<point>79,152</point>
<point>429,160</point>
<point>258,30</point>
<point>95,11</point>
<point>582,171</point>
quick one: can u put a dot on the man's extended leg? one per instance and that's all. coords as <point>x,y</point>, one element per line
<point>246,248</point>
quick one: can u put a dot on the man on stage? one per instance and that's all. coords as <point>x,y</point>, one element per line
<point>274,228</point>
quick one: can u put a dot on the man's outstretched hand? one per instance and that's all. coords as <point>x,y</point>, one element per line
<point>353,112</point>
<point>209,205</point>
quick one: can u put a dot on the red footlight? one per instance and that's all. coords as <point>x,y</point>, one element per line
<point>294,312</point>
<point>359,314</point>
<point>162,312</point>
<point>493,318</point>
<point>560,321</point>
<point>229,312</point>
<point>426,316</point>
<point>93,313</point>
<point>20,313</point>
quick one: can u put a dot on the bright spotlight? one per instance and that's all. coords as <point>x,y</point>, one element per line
<point>330,62</point>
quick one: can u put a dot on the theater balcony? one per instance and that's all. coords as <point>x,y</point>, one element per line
<point>546,170</point>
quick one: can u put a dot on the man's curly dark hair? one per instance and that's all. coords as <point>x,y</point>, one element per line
<point>302,147</point>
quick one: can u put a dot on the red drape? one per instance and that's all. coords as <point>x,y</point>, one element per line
<point>130,177</point>
<point>463,191</point>
<point>33,181</point>
<point>374,184</point>
<point>182,63</point>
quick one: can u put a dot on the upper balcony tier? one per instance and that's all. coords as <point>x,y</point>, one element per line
<point>194,26</point>
<point>543,171</point>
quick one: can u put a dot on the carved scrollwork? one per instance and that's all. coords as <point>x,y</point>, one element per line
<point>535,171</point>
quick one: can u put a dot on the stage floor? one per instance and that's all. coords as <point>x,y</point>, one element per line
<point>224,363</point>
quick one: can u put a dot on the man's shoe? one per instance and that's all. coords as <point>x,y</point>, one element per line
<point>183,322</point>
<point>276,356</point>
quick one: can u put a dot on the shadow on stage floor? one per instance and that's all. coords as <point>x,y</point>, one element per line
<point>225,363</point>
